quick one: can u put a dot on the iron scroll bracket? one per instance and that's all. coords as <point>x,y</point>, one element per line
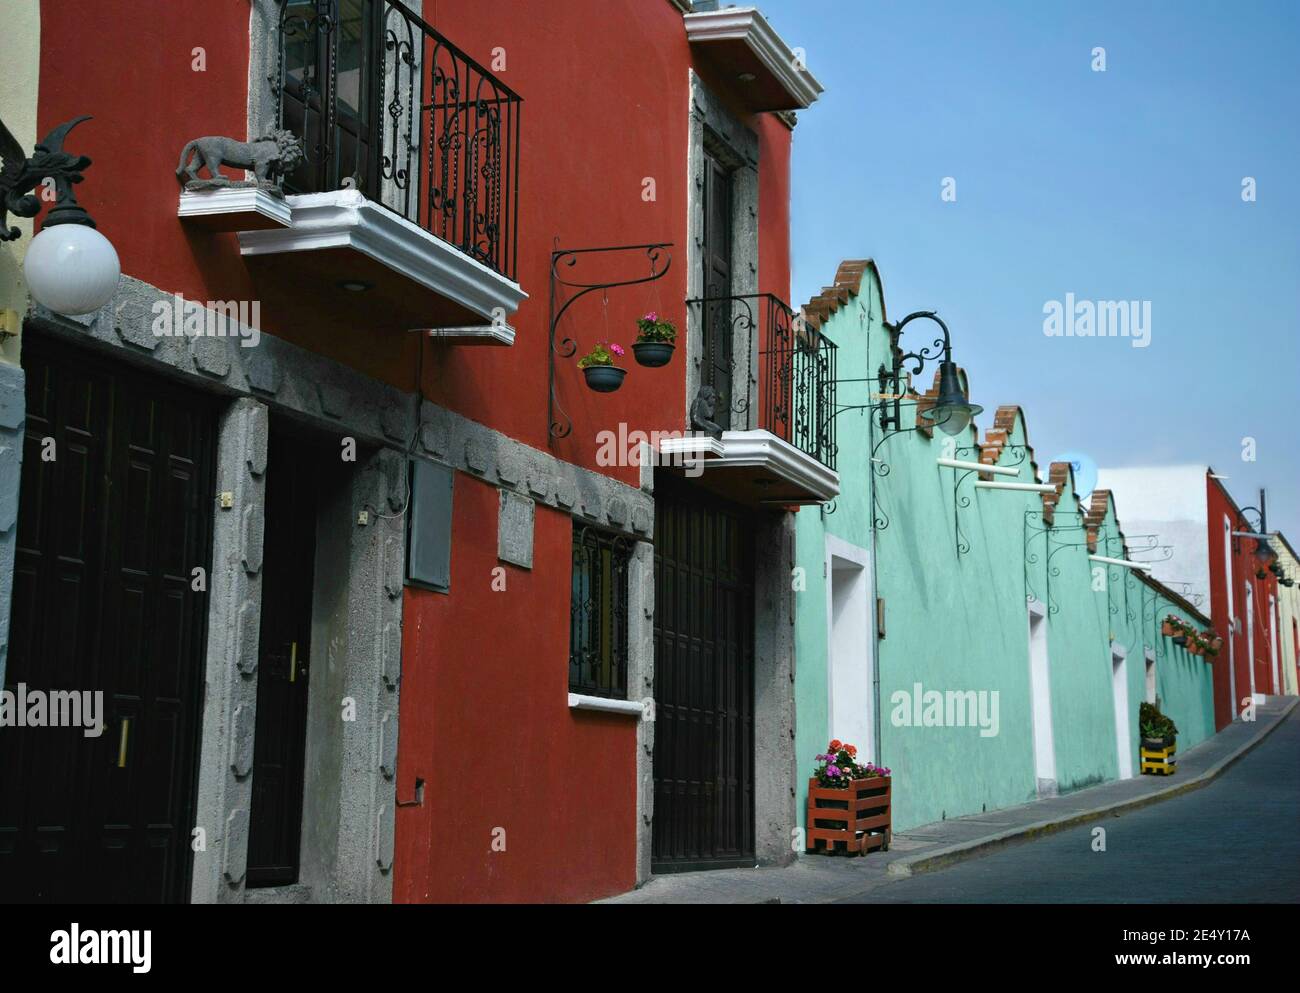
<point>559,424</point>
<point>960,500</point>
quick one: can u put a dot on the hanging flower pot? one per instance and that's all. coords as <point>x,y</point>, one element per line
<point>653,353</point>
<point>599,370</point>
<point>1167,628</point>
<point>1180,639</point>
<point>655,339</point>
<point>604,378</point>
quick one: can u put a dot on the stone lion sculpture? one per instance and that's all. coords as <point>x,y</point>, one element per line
<point>270,158</point>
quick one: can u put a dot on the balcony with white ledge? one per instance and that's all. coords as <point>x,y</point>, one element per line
<point>740,45</point>
<point>763,426</point>
<point>403,213</point>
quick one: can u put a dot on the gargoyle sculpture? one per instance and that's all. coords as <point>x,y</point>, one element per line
<point>704,409</point>
<point>270,158</point>
<point>20,174</point>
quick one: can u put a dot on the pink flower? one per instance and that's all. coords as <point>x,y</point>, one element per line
<point>652,316</point>
<point>617,349</point>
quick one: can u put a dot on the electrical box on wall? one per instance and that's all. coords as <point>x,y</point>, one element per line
<point>428,526</point>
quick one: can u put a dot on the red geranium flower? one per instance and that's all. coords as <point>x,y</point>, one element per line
<point>852,750</point>
<point>836,744</point>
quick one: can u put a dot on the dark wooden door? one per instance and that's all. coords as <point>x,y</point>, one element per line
<point>109,532</point>
<point>704,682</point>
<point>288,573</point>
<point>719,331</point>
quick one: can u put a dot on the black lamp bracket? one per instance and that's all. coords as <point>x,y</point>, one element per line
<point>890,379</point>
<point>20,175</point>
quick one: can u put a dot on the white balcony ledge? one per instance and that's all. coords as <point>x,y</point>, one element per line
<point>413,277</point>
<point>743,47</point>
<point>480,334</point>
<point>234,208</point>
<point>628,708</point>
<point>756,468</point>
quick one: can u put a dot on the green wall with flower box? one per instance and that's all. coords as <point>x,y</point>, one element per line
<point>959,570</point>
<point>857,333</point>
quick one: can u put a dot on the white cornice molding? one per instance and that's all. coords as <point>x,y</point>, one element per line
<point>228,208</point>
<point>496,333</point>
<point>349,219</point>
<point>763,449</point>
<point>748,25</point>
<point>759,450</point>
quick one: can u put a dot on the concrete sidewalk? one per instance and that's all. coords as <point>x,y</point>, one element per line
<point>822,879</point>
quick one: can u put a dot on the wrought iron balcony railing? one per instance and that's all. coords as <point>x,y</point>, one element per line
<point>769,369</point>
<point>388,106</point>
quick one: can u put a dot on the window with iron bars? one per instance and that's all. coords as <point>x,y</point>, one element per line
<point>598,613</point>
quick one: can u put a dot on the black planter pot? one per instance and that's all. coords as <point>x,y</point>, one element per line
<point>604,378</point>
<point>653,353</point>
<point>1156,744</point>
<point>1180,639</point>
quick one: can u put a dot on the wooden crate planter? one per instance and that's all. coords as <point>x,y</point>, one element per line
<point>1159,761</point>
<point>854,820</point>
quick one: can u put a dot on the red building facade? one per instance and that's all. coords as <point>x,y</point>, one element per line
<point>421,534</point>
<point>1243,599</point>
<point>532,798</point>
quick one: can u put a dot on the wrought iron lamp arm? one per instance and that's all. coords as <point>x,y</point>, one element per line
<point>940,346</point>
<point>1243,519</point>
<point>892,375</point>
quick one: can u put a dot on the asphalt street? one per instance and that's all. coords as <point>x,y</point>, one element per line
<point>1236,840</point>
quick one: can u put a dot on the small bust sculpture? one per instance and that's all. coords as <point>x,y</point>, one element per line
<point>270,158</point>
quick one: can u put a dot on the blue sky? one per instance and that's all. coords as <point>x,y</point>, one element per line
<point>1117,185</point>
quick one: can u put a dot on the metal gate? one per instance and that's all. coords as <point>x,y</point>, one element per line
<point>704,682</point>
<point>115,516</point>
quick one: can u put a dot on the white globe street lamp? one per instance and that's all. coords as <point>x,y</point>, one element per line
<point>70,267</point>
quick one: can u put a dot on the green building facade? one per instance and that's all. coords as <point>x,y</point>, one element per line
<point>965,635</point>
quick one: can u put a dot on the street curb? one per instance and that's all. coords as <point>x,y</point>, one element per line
<point>927,862</point>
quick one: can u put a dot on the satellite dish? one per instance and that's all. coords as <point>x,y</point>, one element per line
<point>1085,472</point>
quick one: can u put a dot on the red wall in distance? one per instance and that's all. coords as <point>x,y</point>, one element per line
<point>1224,608</point>
<point>1224,605</point>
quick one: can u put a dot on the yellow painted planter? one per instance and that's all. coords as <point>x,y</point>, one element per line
<point>1159,761</point>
